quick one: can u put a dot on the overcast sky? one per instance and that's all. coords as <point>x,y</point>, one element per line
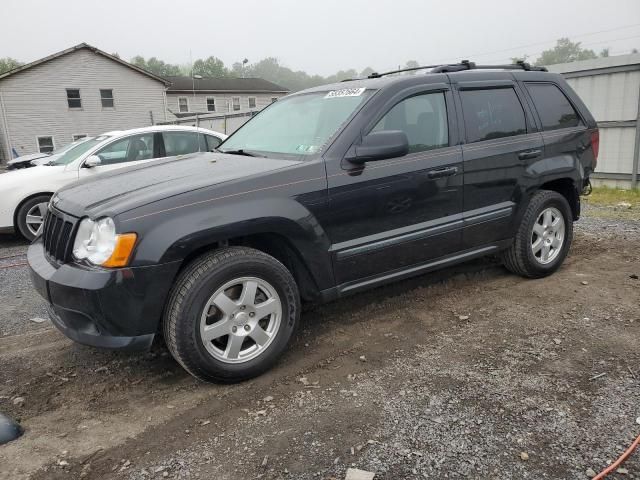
<point>317,36</point>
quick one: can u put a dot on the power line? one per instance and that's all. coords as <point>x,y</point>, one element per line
<point>541,43</point>
<point>535,54</point>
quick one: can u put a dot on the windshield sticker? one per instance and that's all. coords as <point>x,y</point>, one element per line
<point>345,92</point>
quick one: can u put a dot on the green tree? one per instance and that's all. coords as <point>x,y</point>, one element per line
<point>366,72</point>
<point>605,52</point>
<point>210,67</point>
<point>156,66</point>
<point>411,64</point>
<point>565,51</point>
<point>8,63</point>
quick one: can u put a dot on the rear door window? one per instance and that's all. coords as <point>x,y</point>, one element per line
<point>180,143</point>
<point>492,113</point>
<point>554,108</point>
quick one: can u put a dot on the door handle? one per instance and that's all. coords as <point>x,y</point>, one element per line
<point>528,154</point>
<point>442,172</point>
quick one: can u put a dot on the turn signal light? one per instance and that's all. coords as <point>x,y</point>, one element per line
<point>122,251</point>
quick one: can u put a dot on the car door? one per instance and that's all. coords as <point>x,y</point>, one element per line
<point>389,215</point>
<point>501,143</point>
<point>125,151</point>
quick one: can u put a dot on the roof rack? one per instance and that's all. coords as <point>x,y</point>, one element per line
<point>464,65</point>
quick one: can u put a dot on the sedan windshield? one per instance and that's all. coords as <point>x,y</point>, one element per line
<point>300,125</point>
<point>75,152</point>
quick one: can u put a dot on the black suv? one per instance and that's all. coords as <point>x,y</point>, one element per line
<point>326,192</point>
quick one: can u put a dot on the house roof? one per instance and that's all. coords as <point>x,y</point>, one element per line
<point>75,48</point>
<point>206,84</point>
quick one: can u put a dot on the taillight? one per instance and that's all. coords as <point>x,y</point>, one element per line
<point>595,144</point>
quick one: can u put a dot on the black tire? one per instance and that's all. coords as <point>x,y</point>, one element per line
<point>519,257</point>
<point>189,296</point>
<point>21,215</point>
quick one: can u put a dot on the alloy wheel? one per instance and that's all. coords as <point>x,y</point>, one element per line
<point>240,320</point>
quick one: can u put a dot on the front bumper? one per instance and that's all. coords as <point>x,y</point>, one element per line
<point>118,309</point>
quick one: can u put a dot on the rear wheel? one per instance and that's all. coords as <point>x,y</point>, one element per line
<point>30,216</point>
<point>231,314</point>
<point>543,238</point>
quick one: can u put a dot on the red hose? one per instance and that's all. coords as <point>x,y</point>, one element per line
<point>614,466</point>
<point>12,265</point>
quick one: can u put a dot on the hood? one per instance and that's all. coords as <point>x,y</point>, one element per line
<point>120,190</point>
<point>27,158</point>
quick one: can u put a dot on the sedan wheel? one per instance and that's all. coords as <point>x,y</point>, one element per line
<point>35,218</point>
<point>30,216</point>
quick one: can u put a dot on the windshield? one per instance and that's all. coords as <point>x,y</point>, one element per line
<point>75,152</point>
<point>299,125</point>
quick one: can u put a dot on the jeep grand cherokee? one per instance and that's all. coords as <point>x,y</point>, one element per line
<point>327,192</point>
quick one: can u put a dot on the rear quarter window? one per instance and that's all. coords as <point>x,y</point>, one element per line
<point>492,113</point>
<point>553,107</point>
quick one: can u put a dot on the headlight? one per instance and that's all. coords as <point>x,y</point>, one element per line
<point>97,242</point>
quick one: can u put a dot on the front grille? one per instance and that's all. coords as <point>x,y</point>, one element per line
<point>57,236</point>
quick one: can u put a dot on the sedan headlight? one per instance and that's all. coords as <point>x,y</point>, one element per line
<point>97,242</point>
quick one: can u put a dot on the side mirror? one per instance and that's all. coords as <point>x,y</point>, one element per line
<point>92,161</point>
<point>379,146</point>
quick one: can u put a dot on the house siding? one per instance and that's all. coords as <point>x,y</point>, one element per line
<point>198,103</point>
<point>35,101</point>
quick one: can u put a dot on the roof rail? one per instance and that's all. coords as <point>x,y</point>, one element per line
<point>464,65</point>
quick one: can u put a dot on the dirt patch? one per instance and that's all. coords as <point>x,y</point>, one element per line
<point>448,375</point>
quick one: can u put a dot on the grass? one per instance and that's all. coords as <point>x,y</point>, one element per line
<point>613,196</point>
<point>613,204</point>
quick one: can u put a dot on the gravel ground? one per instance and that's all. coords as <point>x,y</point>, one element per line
<point>470,373</point>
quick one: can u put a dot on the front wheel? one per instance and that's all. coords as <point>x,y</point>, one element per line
<point>543,238</point>
<point>231,314</point>
<point>30,216</point>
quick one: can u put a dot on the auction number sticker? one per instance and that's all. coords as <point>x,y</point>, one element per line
<point>345,92</point>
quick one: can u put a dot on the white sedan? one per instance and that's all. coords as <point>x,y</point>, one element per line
<point>25,193</point>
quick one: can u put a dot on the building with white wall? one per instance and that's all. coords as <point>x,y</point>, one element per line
<point>610,87</point>
<point>187,96</point>
<point>77,92</point>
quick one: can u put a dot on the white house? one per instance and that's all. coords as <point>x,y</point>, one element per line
<point>74,93</point>
<point>187,96</point>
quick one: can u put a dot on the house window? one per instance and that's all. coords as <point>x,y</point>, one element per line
<point>183,104</point>
<point>106,97</point>
<point>211,104</point>
<point>236,104</point>
<point>45,144</point>
<point>252,102</point>
<point>73,98</point>
<point>274,99</point>
<point>78,136</point>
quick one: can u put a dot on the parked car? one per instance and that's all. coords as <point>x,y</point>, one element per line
<point>40,158</point>
<point>327,192</point>
<point>26,192</point>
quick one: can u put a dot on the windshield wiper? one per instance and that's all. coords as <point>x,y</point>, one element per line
<point>240,151</point>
